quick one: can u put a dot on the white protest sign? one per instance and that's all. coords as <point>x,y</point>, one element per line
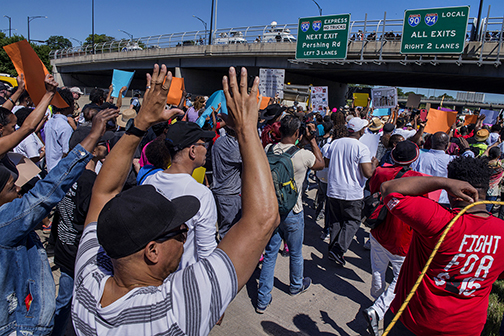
<point>319,99</point>
<point>271,82</point>
<point>384,97</point>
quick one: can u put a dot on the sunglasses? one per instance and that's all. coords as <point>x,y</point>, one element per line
<point>204,144</point>
<point>180,235</point>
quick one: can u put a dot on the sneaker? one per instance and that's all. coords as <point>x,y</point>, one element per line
<point>367,244</point>
<point>372,320</point>
<point>337,258</point>
<point>306,283</point>
<point>261,309</point>
<point>325,236</point>
<point>320,216</point>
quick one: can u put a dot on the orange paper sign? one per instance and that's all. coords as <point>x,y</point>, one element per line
<point>471,119</point>
<point>440,121</point>
<point>176,90</point>
<point>27,62</point>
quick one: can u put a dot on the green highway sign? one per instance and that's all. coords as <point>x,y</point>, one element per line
<point>435,30</point>
<point>323,37</point>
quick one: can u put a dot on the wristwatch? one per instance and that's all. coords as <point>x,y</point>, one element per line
<point>131,129</point>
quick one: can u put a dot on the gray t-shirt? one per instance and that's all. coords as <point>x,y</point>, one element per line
<point>227,166</point>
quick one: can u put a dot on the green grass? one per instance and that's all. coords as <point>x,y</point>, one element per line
<point>495,310</point>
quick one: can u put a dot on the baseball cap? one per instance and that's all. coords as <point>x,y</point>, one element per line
<point>405,153</point>
<point>356,124</point>
<point>183,134</point>
<point>75,89</point>
<point>388,127</point>
<point>133,218</point>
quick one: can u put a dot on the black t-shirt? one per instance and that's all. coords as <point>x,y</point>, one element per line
<point>70,216</point>
<point>2,100</point>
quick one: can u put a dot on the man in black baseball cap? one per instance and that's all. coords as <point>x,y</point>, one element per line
<point>127,271</point>
<point>188,145</point>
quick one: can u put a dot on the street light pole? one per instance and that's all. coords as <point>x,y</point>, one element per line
<point>92,25</point>
<point>125,32</point>
<point>78,41</point>
<point>31,18</point>
<point>10,29</point>
<point>320,9</point>
<point>211,25</point>
<point>204,23</point>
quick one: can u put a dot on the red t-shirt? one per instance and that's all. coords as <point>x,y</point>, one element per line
<point>452,298</point>
<point>393,234</point>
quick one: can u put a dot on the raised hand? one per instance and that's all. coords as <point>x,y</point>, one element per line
<point>153,108</point>
<point>100,120</point>
<point>50,84</point>
<point>243,108</point>
<point>21,82</point>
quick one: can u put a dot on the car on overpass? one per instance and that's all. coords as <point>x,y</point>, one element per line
<point>234,37</point>
<point>277,34</point>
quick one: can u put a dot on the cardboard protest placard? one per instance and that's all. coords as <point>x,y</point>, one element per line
<point>264,102</point>
<point>423,114</point>
<point>27,62</point>
<point>413,100</point>
<point>379,112</point>
<point>26,168</point>
<point>385,97</point>
<point>491,116</point>
<point>470,119</point>
<point>440,121</point>
<point>360,99</point>
<point>319,98</point>
<point>176,90</point>
<point>214,100</point>
<point>119,79</point>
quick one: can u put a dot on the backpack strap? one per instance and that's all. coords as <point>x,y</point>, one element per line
<point>291,151</point>
<point>401,172</point>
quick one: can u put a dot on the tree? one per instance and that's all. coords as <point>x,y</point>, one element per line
<point>56,42</point>
<point>98,39</point>
<point>400,92</point>
<point>6,65</point>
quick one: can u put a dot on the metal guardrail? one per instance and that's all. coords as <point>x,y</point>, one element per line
<point>380,31</point>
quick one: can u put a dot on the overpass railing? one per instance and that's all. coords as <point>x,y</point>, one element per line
<point>379,30</point>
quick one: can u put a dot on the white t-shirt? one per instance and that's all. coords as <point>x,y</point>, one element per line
<point>301,162</point>
<point>345,178</point>
<point>202,227</point>
<point>189,302</point>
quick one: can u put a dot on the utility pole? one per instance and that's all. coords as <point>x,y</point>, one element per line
<point>10,29</point>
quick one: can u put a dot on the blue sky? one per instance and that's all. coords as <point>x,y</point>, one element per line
<point>72,18</point>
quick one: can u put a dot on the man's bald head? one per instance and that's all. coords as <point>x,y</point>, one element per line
<point>440,140</point>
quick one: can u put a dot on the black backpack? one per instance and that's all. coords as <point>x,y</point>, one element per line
<point>282,172</point>
<point>374,211</point>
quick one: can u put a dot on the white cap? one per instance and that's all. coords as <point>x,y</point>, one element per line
<point>76,90</point>
<point>356,124</point>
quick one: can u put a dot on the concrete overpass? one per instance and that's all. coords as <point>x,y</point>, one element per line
<point>373,62</point>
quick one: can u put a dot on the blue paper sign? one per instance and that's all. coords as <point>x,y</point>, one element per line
<point>381,112</point>
<point>119,79</point>
<point>214,100</point>
<point>491,116</point>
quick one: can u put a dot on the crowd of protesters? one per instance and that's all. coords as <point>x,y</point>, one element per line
<point>147,245</point>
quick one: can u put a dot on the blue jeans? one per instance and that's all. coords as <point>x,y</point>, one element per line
<point>63,303</point>
<point>291,228</point>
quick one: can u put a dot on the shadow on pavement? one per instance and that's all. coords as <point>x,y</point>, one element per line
<point>304,323</point>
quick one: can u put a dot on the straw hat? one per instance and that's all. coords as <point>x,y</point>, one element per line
<point>482,135</point>
<point>125,115</point>
<point>376,124</point>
